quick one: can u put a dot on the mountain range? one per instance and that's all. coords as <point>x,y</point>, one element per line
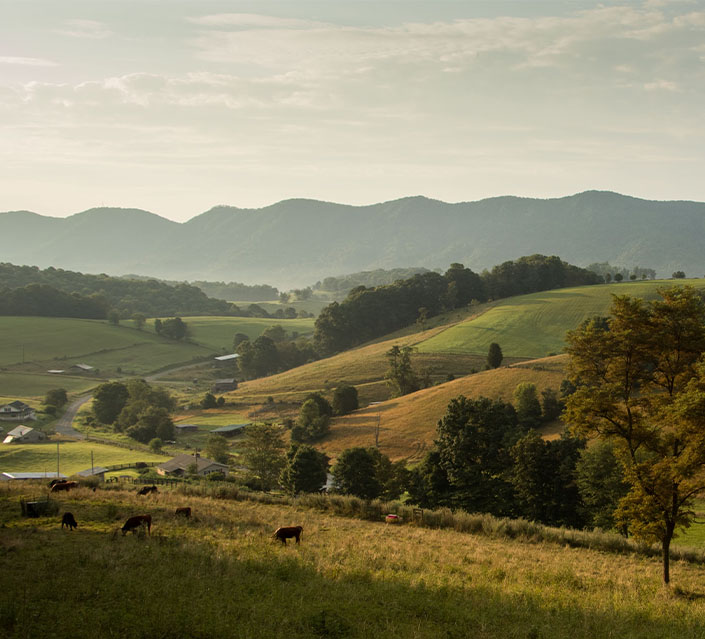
<point>296,242</point>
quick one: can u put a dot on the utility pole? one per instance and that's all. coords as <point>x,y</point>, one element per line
<point>57,460</point>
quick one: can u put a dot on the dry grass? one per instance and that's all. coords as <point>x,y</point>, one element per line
<point>221,575</point>
<point>408,424</point>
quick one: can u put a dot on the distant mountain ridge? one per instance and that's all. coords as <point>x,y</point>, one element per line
<point>297,242</point>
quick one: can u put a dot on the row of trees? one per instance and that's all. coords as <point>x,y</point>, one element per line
<point>273,351</point>
<point>41,300</point>
<point>367,313</point>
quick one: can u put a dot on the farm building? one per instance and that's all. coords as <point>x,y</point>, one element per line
<point>230,430</point>
<point>226,358</point>
<point>16,411</point>
<point>82,368</point>
<point>23,476</point>
<point>224,385</point>
<point>180,465</point>
<point>185,428</point>
<point>97,471</point>
<point>24,435</point>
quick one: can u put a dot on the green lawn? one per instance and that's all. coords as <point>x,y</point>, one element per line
<point>535,325</point>
<point>73,456</point>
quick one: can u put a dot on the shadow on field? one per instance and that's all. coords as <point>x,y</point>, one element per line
<point>90,584</point>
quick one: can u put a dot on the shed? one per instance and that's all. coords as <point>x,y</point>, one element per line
<point>56,371</point>
<point>28,475</point>
<point>185,428</point>
<point>226,358</point>
<point>96,471</point>
<point>230,430</point>
<point>24,435</point>
<point>84,368</point>
<point>224,385</point>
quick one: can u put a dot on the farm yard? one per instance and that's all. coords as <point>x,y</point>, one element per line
<point>221,574</point>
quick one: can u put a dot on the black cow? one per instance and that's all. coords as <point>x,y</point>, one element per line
<point>147,489</point>
<point>69,521</point>
<point>287,532</point>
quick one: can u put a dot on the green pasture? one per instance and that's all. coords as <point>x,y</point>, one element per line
<point>73,456</point>
<point>217,333</point>
<point>535,325</point>
<point>27,387</point>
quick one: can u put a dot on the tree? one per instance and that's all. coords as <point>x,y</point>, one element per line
<point>494,355</point>
<point>264,454</point>
<point>113,317</point>
<point>678,275</point>
<point>155,444</point>
<point>345,399</point>
<point>527,405</point>
<point>600,480</point>
<point>474,440</point>
<point>306,470</point>
<point>354,473</point>
<point>217,449</point>
<point>173,328</point>
<point>158,326</point>
<point>153,421</point>
<point>108,400</point>
<point>314,419</point>
<point>641,385</point>
<point>428,483</point>
<point>400,377</point>
<point>209,401</point>
<point>618,277</point>
<point>239,338</point>
<point>551,406</point>
<point>139,320</point>
<point>56,397</point>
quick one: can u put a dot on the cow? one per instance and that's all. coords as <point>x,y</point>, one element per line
<point>53,482</point>
<point>64,485</point>
<point>185,511</point>
<point>133,524</point>
<point>69,521</point>
<point>287,532</point>
<point>147,489</point>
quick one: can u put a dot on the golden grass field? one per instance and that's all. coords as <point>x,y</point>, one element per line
<point>221,575</point>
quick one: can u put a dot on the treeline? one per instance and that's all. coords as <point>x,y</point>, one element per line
<point>368,313</point>
<point>619,273</point>
<point>343,284</point>
<point>126,296</point>
<point>237,291</point>
<point>45,301</point>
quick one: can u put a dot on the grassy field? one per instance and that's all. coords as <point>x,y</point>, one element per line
<point>221,575</point>
<point>28,386</point>
<point>407,425</point>
<point>535,325</point>
<point>217,333</point>
<point>74,456</point>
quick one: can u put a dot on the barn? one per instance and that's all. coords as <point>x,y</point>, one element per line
<point>24,435</point>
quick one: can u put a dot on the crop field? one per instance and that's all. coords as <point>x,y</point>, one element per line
<point>221,575</point>
<point>531,326</point>
<point>74,456</point>
<point>217,333</point>
<point>407,425</point>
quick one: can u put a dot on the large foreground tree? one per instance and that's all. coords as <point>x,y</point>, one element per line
<point>640,380</point>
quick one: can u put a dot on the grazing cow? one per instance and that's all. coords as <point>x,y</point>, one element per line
<point>287,532</point>
<point>69,521</point>
<point>185,511</point>
<point>53,482</point>
<point>133,524</point>
<point>64,485</point>
<point>147,489</point>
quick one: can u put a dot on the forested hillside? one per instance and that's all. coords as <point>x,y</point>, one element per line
<point>261,245</point>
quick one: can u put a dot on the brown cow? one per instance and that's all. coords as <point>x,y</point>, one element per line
<point>147,489</point>
<point>69,521</point>
<point>185,511</point>
<point>64,485</point>
<point>287,532</point>
<point>53,482</point>
<point>133,524</point>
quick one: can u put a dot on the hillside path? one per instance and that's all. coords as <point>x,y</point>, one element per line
<point>64,424</point>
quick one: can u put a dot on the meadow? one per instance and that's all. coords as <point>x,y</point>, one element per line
<point>530,326</point>
<point>220,574</point>
<point>74,456</point>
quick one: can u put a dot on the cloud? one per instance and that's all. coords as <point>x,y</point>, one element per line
<point>253,21</point>
<point>28,62</point>
<point>89,29</point>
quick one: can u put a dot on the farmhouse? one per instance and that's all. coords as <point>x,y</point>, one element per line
<point>16,411</point>
<point>24,435</point>
<point>224,385</point>
<point>180,465</point>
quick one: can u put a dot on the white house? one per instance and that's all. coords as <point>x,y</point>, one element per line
<point>16,411</point>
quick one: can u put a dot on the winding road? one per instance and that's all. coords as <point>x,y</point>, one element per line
<point>64,424</point>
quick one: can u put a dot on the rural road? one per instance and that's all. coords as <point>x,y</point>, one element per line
<point>64,423</point>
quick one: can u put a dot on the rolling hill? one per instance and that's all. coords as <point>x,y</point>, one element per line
<point>256,245</point>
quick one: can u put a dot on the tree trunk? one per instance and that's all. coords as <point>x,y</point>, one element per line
<point>665,545</point>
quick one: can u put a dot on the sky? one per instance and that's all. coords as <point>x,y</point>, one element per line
<point>176,106</point>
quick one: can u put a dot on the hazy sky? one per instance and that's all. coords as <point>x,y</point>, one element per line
<point>177,106</point>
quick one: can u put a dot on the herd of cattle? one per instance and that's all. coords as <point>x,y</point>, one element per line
<point>139,522</point>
